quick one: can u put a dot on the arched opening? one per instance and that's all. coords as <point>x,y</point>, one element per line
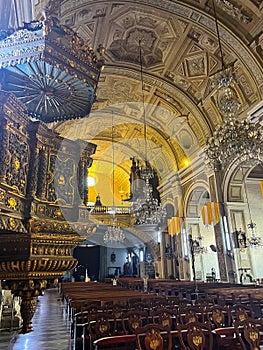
<point>245,205</point>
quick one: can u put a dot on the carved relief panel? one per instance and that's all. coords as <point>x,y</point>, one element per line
<point>36,163</point>
<point>17,166</point>
<point>61,177</point>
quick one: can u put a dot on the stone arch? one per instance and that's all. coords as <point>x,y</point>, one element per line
<point>234,179</point>
<point>196,195</point>
<point>242,193</point>
<point>170,210</point>
<point>244,202</point>
<point>206,258</point>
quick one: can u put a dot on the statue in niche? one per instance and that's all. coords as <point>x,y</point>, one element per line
<point>127,268</point>
<point>135,262</point>
<point>242,239</point>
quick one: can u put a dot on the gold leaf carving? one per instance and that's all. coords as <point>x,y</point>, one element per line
<point>197,340</point>
<point>11,203</point>
<point>16,164</point>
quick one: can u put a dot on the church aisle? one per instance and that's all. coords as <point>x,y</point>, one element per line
<point>50,331</point>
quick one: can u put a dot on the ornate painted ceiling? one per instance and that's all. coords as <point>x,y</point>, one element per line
<point>181,55</point>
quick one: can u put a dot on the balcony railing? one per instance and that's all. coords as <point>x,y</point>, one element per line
<point>109,210</point>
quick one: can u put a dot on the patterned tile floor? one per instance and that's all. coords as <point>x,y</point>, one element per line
<point>50,330</point>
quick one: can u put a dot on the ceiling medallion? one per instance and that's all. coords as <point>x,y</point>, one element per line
<point>51,70</point>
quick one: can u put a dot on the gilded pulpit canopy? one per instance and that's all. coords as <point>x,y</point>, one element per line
<point>49,68</point>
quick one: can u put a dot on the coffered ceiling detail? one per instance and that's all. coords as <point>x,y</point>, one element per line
<point>181,56</point>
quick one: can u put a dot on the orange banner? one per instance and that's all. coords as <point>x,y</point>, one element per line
<point>204,213</point>
<point>177,221</point>
<point>174,225</point>
<point>210,213</point>
<point>216,212</point>
<point>261,186</point>
<point>169,226</point>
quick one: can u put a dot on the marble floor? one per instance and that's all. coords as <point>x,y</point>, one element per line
<point>50,328</point>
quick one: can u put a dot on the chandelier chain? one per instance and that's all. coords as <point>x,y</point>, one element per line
<point>146,209</point>
<point>218,37</point>
<point>143,105</point>
<point>113,160</point>
<point>114,233</point>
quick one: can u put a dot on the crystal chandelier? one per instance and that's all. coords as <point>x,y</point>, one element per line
<point>234,139</point>
<point>227,100</point>
<point>253,241</point>
<point>146,210</point>
<point>114,233</point>
<point>199,250</point>
<point>195,245</point>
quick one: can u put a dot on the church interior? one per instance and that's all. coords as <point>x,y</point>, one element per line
<point>131,174</point>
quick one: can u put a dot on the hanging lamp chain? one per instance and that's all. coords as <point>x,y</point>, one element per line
<point>143,105</point>
<point>251,225</point>
<point>113,162</point>
<point>218,37</point>
<point>114,233</point>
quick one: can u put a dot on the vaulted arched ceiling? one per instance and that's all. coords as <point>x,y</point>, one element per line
<point>181,56</point>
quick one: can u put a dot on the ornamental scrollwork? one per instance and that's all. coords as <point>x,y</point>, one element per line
<point>8,223</point>
<point>16,169</point>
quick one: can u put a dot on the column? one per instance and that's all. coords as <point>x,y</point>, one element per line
<point>225,261</point>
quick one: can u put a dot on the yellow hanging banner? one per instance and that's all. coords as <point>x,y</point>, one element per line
<point>174,225</point>
<point>169,226</point>
<point>210,213</point>
<point>177,225</point>
<point>216,213</point>
<point>261,186</point>
<point>204,215</point>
